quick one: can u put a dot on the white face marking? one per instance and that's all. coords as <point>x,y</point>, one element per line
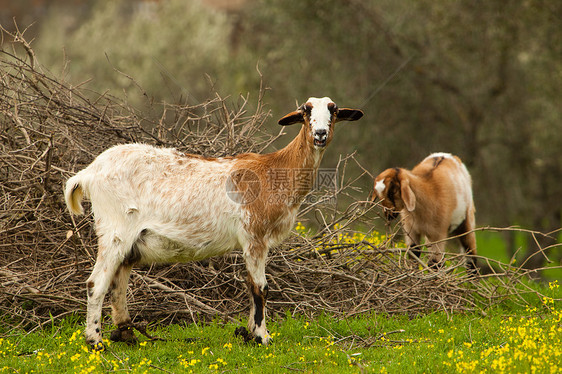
<point>320,117</point>
<point>379,187</point>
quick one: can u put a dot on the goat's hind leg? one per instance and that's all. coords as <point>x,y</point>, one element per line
<point>468,243</point>
<point>467,238</point>
<point>107,263</point>
<point>119,310</point>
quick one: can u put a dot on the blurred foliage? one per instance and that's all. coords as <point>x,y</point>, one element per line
<point>481,79</point>
<point>164,48</point>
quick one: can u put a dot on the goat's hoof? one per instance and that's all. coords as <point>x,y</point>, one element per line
<point>97,347</point>
<point>244,333</point>
<point>473,272</point>
<point>251,338</point>
<point>435,265</point>
<point>266,340</point>
<point>124,334</point>
<point>472,268</point>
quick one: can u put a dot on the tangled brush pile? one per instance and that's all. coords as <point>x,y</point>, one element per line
<point>50,129</point>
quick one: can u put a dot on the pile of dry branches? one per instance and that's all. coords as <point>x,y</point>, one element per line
<point>50,129</point>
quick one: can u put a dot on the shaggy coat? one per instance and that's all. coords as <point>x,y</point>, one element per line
<point>157,205</point>
<point>434,200</point>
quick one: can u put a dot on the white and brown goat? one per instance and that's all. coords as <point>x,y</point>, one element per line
<point>434,200</point>
<point>157,205</point>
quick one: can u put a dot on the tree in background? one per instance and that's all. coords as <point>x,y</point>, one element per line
<point>162,50</point>
<point>480,79</point>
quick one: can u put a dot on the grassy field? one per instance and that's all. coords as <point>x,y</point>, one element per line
<point>509,338</point>
<point>523,335</point>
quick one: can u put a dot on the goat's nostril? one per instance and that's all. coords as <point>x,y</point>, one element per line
<point>321,134</point>
<point>320,137</point>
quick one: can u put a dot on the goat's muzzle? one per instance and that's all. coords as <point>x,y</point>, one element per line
<point>320,138</point>
<point>390,214</point>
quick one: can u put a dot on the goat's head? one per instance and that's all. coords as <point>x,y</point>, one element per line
<point>392,188</point>
<point>319,117</point>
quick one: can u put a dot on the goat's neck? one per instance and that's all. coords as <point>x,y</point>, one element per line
<point>298,154</point>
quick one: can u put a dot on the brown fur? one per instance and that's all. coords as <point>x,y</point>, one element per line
<point>430,200</point>
<point>273,217</point>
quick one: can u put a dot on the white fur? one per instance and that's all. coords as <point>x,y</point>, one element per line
<point>145,192</point>
<point>144,196</point>
<point>320,116</point>
<point>379,187</point>
<point>438,155</point>
<point>462,183</point>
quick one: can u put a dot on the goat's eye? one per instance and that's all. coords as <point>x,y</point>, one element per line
<point>333,108</point>
<point>307,108</point>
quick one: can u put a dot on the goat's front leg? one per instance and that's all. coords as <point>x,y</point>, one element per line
<point>413,241</point>
<point>436,253</point>
<point>255,256</point>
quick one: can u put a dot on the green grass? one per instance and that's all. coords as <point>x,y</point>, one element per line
<point>509,338</point>
<point>493,246</point>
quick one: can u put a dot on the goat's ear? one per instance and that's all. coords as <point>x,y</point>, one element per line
<point>346,114</point>
<point>292,118</point>
<point>407,195</point>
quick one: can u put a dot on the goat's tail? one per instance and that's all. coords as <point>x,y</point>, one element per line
<point>73,194</point>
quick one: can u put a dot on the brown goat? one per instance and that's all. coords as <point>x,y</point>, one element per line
<point>434,200</point>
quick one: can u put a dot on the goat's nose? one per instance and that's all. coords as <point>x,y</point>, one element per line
<point>321,134</point>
